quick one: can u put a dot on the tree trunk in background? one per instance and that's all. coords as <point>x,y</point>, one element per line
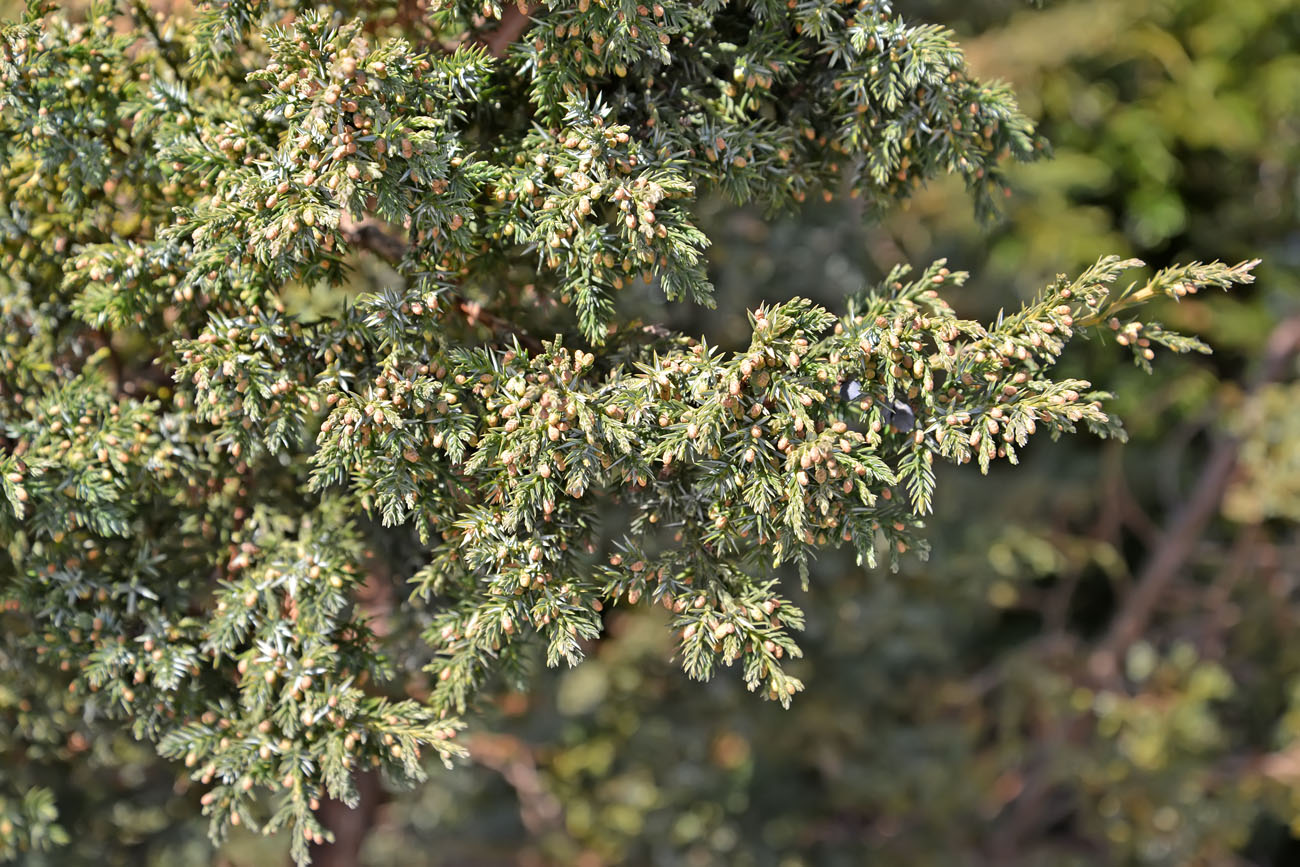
<point>350,825</point>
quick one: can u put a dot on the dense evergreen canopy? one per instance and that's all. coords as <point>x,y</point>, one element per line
<point>332,401</point>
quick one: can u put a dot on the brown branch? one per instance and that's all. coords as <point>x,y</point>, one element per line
<point>513,760</point>
<point>1221,613</point>
<point>105,342</point>
<point>514,21</point>
<point>1185,530</point>
<point>350,825</point>
<point>369,235</point>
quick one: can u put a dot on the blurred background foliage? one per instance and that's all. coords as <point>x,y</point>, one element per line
<point>952,716</point>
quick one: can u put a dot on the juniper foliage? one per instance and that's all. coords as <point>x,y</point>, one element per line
<point>206,480</point>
